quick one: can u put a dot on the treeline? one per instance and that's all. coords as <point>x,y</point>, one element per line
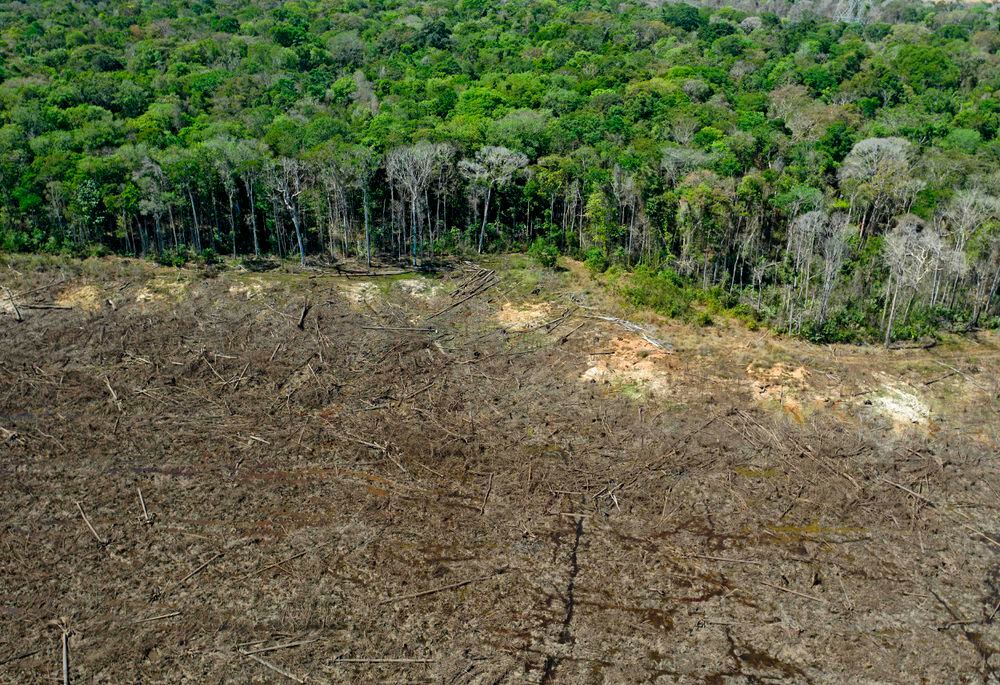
<point>838,179</point>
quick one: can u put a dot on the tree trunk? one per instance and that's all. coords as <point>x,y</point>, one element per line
<point>413,229</point>
<point>253,217</point>
<point>173,226</point>
<point>196,234</point>
<point>486,213</point>
<point>368,240</point>
<point>297,222</point>
<point>232,223</point>
<point>892,316</point>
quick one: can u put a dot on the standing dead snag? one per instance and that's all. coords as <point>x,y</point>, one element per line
<point>910,249</point>
<point>290,180</point>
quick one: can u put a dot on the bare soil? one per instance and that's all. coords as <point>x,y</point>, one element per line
<point>469,477</point>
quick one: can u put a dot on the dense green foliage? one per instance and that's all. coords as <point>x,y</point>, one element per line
<point>837,179</point>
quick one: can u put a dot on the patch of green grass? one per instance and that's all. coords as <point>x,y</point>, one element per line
<point>662,291</point>
<point>632,391</point>
<point>667,293</point>
<point>748,472</point>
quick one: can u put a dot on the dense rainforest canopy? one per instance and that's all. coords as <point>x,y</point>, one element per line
<point>838,179</point>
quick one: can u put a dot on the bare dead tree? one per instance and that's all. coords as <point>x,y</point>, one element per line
<point>289,179</point>
<point>492,168</point>
<point>878,175</point>
<point>803,233</point>
<point>909,251</point>
<point>965,216</point>
<point>834,250</point>
<point>411,169</point>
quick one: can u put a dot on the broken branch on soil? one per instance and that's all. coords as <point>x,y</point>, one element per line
<point>142,502</point>
<point>960,373</point>
<point>195,572</point>
<point>489,489</point>
<point>18,657</point>
<point>567,336</point>
<point>435,590</point>
<point>87,521</point>
<point>934,505</point>
<point>17,312</point>
<point>377,660</point>
<point>269,665</point>
<point>416,329</point>
<point>729,559</point>
<point>40,288</point>
<point>157,618</point>
<point>114,395</point>
<point>795,592</point>
<point>343,273</point>
<point>637,329</point>
<point>286,645</point>
<point>487,283</point>
<point>277,563</point>
<point>7,434</point>
<point>65,656</point>
<point>301,325</point>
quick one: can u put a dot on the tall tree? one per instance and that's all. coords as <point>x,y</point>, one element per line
<point>492,168</point>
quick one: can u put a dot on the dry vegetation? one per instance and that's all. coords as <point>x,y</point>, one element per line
<point>469,477</point>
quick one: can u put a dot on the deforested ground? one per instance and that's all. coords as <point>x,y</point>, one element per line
<point>489,473</point>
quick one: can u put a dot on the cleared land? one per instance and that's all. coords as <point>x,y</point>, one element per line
<point>477,477</point>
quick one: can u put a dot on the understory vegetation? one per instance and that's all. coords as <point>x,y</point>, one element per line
<point>835,179</point>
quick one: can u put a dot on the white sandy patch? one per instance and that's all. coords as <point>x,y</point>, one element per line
<point>901,406</point>
<point>361,292</point>
<point>419,288</point>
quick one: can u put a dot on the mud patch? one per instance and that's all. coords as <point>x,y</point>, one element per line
<point>523,316</point>
<point>634,365</point>
<point>85,297</point>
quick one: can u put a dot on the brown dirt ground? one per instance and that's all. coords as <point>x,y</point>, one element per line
<point>365,500</point>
